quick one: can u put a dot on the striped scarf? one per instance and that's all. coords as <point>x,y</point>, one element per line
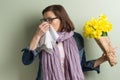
<point>51,64</point>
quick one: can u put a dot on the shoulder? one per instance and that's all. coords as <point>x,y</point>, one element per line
<point>79,39</point>
<point>78,35</point>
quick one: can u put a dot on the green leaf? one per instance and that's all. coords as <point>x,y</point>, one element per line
<point>104,34</point>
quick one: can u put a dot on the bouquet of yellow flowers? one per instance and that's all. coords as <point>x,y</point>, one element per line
<point>98,29</point>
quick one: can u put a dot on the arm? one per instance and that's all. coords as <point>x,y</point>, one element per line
<point>100,60</point>
<point>28,55</point>
<point>91,64</point>
<point>42,29</point>
<point>30,52</point>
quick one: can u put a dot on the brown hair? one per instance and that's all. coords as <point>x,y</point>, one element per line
<point>60,12</point>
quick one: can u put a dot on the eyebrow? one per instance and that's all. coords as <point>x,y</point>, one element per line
<point>50,17</point>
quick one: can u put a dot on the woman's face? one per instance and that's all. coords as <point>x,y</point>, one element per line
<point>54,21</point>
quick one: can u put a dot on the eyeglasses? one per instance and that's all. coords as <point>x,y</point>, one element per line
<point>49,20</point>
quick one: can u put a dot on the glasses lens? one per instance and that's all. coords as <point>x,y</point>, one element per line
<point>45,20</point>
<point>48,20</point>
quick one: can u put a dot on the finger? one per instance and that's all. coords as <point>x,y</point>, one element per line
<point>46,28</point>
<point>42,27</point>
<point>44,23</point>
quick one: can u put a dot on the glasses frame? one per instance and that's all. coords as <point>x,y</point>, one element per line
<point>49,20</point>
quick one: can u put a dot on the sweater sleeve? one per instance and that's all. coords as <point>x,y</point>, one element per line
<point>89,65</point>
<point>28,55</point>
<point>86,65</point>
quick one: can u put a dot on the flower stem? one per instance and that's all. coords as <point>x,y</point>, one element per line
<point>104,34</point>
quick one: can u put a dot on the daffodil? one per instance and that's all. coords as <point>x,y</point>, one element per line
<point>97,27</point>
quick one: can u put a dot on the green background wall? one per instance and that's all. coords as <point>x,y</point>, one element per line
<point>20,18</point>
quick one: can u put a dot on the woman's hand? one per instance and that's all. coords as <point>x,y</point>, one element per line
<point>104,57</point>
<point>100,60</point>
<point>42,29</point>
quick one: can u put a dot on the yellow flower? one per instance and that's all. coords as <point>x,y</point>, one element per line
<point>96,27</point>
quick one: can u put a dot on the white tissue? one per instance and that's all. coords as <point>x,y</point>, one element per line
<point>48,40</point>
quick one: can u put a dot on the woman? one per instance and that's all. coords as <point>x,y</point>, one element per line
<point>68,59</point>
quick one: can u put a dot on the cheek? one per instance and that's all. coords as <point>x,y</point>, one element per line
<point>56,26</point>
